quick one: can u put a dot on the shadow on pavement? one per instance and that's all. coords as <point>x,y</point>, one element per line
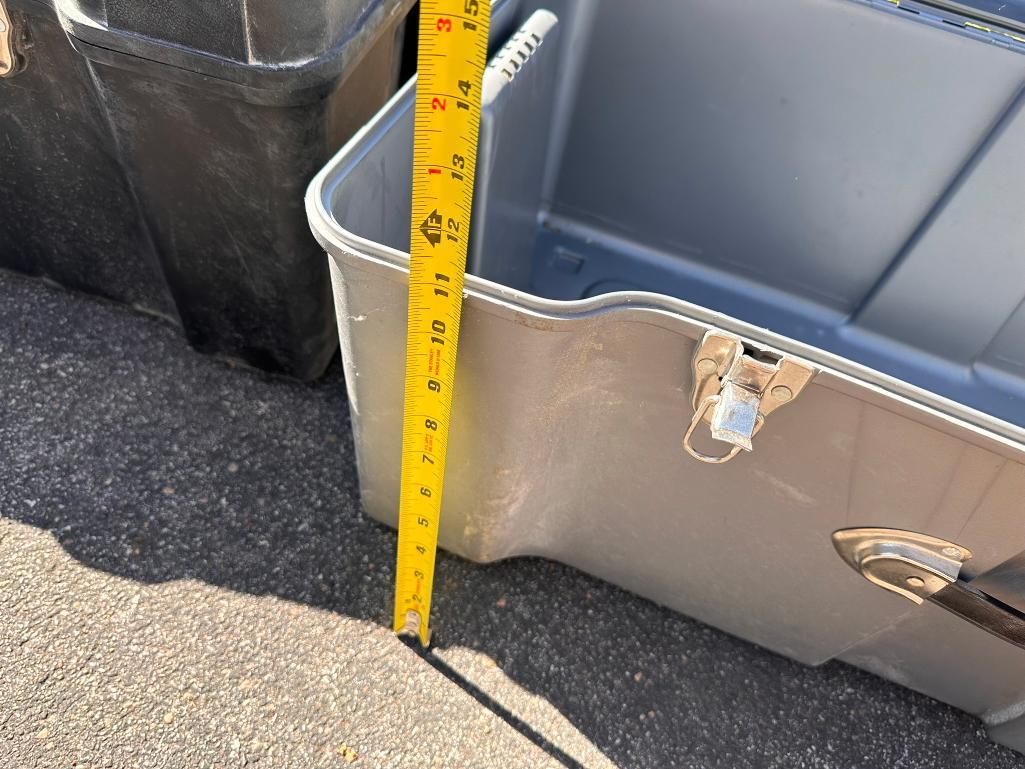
<point>154,463</point>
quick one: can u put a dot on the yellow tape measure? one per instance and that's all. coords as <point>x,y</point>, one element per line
<point>451,59</point>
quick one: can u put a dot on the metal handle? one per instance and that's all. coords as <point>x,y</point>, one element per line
<point>983,611</point>
<point>924,568</point>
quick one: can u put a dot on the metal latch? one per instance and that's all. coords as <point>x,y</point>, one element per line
<point>924,568</point>
<point>7,56</point>
<point>735,390</point>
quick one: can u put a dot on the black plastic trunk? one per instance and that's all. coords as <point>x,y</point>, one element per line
<point>157,154</point>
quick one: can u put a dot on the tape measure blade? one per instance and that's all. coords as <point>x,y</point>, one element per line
<point>450,62</point>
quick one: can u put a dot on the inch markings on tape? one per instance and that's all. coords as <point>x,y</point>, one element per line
<point>450,66</point>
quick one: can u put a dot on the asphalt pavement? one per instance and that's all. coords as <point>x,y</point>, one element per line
<point>187,580</point>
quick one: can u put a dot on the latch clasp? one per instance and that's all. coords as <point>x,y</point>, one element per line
<point>734,390</point>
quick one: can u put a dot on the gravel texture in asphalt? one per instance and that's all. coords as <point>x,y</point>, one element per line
<point>186,580</point>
